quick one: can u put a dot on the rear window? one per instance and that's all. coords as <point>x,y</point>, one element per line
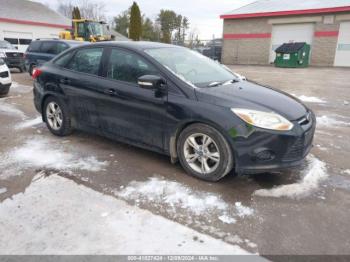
<point>34,47</point>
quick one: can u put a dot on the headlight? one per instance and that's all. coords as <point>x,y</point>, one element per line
<point>2,55</point>
<point>262,119</point>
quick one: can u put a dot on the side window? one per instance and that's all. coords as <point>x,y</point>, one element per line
<point>81,30</point>
<point>63,60</point>
<point>128,67</point>
<point>86,61</point>
<point>61,47</point>
<point>49,48</point>
<point>34,46</point>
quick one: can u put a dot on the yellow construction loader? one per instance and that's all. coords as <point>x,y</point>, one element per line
<point>86,30</point>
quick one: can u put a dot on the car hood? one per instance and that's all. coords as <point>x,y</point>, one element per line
<point>249,95</point>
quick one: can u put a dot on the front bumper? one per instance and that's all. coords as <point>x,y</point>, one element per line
<point>265,151</point>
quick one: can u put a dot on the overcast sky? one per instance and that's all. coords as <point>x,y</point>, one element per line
<point>203,14</point>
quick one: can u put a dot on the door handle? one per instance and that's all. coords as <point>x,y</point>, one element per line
<point>111,92</point>
<point>65,81</point>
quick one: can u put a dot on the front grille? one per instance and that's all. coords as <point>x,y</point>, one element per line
<point>4,74</point>
<point>14,55</point>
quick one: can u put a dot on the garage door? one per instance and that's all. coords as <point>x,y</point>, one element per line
<point>290,33</point>
<point>342,56</point>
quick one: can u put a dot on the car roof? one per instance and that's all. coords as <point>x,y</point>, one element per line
<point>69,42</point>
<point>136,45</point>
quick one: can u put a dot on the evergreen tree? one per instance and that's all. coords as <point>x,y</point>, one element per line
<point>135,29</point>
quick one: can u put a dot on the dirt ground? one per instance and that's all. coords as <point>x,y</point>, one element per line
<point>304,211</point>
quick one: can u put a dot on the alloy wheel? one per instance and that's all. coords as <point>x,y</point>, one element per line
<point>201,153</point>
<point>54,115</point>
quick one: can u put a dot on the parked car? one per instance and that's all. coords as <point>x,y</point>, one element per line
<point>13,58</point>
<point>43,50</point>
<point>5,78</point>
<point>177,102</point>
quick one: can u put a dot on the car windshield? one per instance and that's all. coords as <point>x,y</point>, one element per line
<point>6,45</point>
<point>95,28</point>
<point>192,67</point>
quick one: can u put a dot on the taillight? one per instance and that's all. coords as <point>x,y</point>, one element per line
<point>36,73</point>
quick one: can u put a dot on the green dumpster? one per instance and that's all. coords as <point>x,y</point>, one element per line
<point>292,55</point>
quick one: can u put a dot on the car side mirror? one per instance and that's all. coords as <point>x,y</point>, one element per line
<point>151,82</point>
<point>2,62</point>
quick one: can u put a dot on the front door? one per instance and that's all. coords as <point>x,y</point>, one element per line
<point>128,111</point>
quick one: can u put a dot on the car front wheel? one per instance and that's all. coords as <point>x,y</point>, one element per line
<point>204,152</point>
<point>57,117</point>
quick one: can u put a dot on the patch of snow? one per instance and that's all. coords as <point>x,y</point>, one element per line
<point>243,211</point>
<point>21,88</point>
<point>322,148</point>
<point>326,121</point>
<point>55,216</point>
<point>181,77</point>
<point>227,219</point>
<point>8,109</point>
<point>346,171</point>
<point>310,99</point>
<point>3,190</point>
<point>43,153</point>
<point>311,177</point>
<point>346,103</point>
<point>176,198</point>
<point>30,123</point>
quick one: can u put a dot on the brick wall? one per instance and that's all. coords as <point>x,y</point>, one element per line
<point>245,49</point>
<point>324,48</point>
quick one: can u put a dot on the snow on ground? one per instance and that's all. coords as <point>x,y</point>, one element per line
<point>9,109</point>
<point>311,177</point>
<point>47,153</point>
<point>346,171</point>
<point>330,122</point>
<point>56,216</point>
<point>20,88</point>
<point>3,190</point>
<point>177,198</point>
<point>30,123</point>
<point>310,99</point>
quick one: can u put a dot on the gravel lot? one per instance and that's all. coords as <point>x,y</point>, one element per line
<point>304,211</point>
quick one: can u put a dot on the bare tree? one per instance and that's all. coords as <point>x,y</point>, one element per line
<point>89,9</point>
<point>65,8</point>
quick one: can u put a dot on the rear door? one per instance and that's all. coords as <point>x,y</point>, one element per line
<point>81,83</point>
<point>126,110</point>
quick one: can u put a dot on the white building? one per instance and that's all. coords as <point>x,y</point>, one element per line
<point>21,21</point>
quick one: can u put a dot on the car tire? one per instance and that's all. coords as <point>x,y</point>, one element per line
<point>57,117</point>
<point>204,152</point>
<point>4,91</point>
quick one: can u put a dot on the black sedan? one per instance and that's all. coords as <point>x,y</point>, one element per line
<point>177,102</point>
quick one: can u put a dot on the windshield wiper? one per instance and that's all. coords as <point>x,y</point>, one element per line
<point>216,83</point>
<point>212,84</point>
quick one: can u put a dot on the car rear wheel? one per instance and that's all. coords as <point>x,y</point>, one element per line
<point>204,152</point>
<point>57,117</point>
